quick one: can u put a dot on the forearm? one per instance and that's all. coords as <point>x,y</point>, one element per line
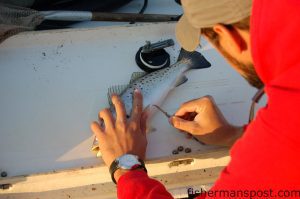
<point>233,136</point>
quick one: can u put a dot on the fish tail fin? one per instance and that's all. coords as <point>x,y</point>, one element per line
<point>195,59</point>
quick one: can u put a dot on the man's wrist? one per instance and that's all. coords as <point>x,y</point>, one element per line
<point>120,172</point>
<point>123,164</point>
<point>237,132</point>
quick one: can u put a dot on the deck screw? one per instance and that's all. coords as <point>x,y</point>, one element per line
<point>188,150</point>
<point>175,152</point>
<point>180,148</point>
<point>3,174</point>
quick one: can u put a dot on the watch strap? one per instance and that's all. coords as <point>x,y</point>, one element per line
<point>115,166</point>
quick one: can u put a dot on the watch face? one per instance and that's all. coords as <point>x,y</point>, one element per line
<point>127,161</point>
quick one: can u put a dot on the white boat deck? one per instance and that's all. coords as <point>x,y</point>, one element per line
<point>53,83</point>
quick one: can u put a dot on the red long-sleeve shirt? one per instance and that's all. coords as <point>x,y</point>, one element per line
<point>267,156</point>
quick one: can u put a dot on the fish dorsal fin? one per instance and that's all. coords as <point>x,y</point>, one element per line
<point>119,89</point>
<point>136,75</point>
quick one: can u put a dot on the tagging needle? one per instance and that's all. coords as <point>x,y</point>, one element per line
<point>164,112</point>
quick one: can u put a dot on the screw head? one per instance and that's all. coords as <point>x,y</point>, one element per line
<point>3,174</point>
<point>188,150</point>
<point>175,152</point>
<point>180,148</point>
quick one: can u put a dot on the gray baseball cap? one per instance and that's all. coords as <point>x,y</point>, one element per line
<point>206,13</point>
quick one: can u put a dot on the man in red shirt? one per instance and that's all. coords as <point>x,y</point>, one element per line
<point>265,154</point>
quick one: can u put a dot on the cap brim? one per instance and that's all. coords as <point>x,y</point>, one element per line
<point>187,36</point>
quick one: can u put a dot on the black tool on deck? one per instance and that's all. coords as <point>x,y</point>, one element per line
<point>151,57</point>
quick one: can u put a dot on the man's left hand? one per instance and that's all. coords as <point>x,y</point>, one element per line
<point>119,136</point>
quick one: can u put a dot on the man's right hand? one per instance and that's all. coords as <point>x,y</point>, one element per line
<point>203,119</point>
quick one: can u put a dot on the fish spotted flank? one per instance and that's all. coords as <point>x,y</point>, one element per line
<point>156,85</point>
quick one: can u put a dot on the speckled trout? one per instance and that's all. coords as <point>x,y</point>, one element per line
<point>156,85</point>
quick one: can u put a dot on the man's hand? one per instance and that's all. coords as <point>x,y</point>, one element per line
<point>203,119</point>
<point>119,136</point>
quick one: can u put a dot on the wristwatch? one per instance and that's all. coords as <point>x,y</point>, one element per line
<point>126,162</point>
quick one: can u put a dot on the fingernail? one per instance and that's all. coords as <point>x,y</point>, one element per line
<point>137,90</point>
<point>171,120</point>
<point>113,96</point>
